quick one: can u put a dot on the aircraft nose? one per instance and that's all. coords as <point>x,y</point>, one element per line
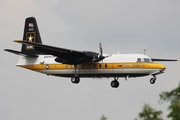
<point>162,67</point>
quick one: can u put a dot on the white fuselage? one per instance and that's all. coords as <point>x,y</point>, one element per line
<point>116,65</point>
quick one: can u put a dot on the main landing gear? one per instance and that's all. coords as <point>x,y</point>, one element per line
<point>115,83</point>
<point>76,78</point>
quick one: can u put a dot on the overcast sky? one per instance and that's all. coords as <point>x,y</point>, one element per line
<point>126,26</point>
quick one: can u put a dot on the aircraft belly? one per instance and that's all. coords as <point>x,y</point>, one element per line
<point>71,71</point>
<point>99,73</point>
<point>139,71</point>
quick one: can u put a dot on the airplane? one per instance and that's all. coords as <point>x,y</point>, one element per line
<point>74,64</point>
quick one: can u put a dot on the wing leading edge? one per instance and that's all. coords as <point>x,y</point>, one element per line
<point>156,59</point>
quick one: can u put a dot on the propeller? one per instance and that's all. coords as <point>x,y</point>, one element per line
<point>101,57</point>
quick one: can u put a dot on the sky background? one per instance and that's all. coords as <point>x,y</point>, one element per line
<point>127,26</point>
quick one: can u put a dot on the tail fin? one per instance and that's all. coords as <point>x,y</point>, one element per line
<point>31,34</point>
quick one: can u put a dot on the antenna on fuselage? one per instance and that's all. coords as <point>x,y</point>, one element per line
<point>144,51</point>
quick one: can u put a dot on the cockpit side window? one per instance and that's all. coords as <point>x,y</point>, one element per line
<point>143,60</point>
<point>139,60</point>
<point>147,60</point>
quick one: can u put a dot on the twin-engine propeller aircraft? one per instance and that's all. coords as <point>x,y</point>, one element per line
<point>75,64</point>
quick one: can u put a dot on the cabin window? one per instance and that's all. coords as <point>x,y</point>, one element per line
<point>88,65</point>
<point>105,65</point>
<point>99,65</point>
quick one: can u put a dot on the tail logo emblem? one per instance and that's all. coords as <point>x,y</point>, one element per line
<point>30,37</point>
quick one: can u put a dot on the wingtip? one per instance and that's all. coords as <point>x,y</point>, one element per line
<point>17,40</point>
<point>5,49</point>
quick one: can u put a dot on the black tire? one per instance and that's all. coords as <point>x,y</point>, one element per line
<point>114,84</point>
<point>75,80</point>
<point>117,84</point>
<point>152,80</point>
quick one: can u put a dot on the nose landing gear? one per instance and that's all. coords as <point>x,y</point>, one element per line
<point>153,80</point>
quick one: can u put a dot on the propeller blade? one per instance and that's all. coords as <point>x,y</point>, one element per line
<point>100,47</point>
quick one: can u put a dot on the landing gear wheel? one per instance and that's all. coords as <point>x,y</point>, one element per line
<point>75,80</point>
<point>115,84</point>
<point>152,80</point>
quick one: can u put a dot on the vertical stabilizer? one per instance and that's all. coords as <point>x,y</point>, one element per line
<point>31,34</point>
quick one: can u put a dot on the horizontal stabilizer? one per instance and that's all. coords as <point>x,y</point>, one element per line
<point>21,53</point>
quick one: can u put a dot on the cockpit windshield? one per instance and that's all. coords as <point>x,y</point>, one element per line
<point>147,60</point>
<point>143,60</point>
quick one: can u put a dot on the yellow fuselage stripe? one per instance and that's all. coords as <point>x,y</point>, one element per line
<point>130,65</point>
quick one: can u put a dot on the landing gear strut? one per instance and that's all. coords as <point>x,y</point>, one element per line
<point>115,83</point>
<point>76,78</point>
<point>153,80</point>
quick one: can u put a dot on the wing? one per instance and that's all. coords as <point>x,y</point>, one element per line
<point>20,53</point>
<point>66,56</point>
<point>156,59</point>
